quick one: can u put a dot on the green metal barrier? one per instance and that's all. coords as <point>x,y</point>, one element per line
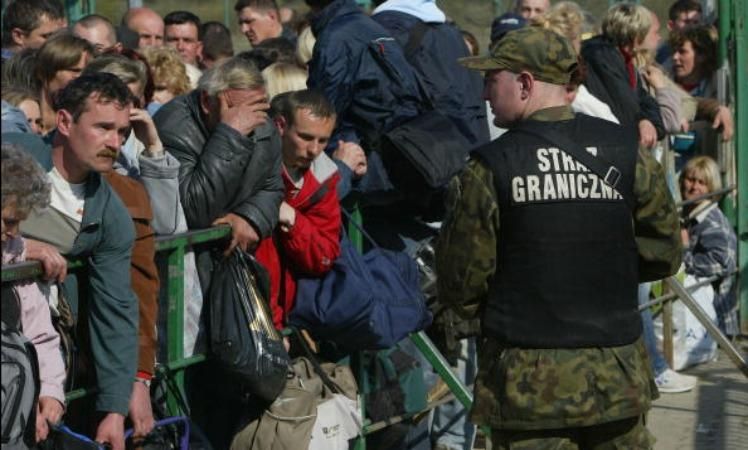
<point>173,368</point>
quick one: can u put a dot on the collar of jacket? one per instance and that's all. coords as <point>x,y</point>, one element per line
<point>553,114</point>
<point>96,196</point>
<point>193,104</point>
<point>335,9</point>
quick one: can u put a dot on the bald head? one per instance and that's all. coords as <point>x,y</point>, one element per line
<point>97,30</point>
<point>147,24</point>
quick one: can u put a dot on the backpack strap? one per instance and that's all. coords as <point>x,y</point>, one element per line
<point>608,173</point>
<point>11,307</point>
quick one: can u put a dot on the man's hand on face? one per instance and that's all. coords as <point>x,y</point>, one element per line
<point>54,264</point>
<point>243,233</point>
<point>111,430</point>
<point>145,131</point>
<point>243,110</point>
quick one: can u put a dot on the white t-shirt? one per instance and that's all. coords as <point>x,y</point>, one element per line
<point>67,198</point>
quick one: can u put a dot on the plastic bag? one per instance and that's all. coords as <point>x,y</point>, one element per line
<point>243,340</point>
<point>692,343</point>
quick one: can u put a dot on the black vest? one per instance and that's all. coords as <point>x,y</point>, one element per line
<point>567,267</point>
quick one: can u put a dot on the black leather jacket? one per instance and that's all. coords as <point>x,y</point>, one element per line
<point>222,171</point>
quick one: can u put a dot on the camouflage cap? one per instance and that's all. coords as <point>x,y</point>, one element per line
<point>548,56</point>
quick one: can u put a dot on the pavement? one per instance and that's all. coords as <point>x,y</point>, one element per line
<point>713,416</point>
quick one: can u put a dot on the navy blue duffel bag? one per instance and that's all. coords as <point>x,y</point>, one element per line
<point>366,302</point>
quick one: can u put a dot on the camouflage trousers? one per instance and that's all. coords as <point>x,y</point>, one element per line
<point>628,434</point>
<point>551,389</point>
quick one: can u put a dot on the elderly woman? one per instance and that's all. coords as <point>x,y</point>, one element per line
<point>59,61</point>
<point>25,188</point>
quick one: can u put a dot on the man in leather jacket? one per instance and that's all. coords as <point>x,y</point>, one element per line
<point>230,173</point>
<point>229,154</point>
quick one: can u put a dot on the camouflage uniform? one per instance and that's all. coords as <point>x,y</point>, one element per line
<point>542,398</point>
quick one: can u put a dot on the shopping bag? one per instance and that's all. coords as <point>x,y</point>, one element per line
<point>243,341</point>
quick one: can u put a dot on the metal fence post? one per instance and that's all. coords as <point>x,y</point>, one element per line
<point>740,10</point>
<point>175,323</point>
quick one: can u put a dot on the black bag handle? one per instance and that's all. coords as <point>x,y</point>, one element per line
<point>315,364</point>
<point>608,173</point>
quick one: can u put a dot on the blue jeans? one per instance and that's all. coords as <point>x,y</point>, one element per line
<point>656,359</point>
<point>451,427</point>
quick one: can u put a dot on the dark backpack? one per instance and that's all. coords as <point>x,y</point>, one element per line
<point>20,377</point>
<point>423,152</point>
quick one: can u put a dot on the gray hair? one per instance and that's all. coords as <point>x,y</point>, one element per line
<point>127,70</point>
<point>232,73</point>
<point>24,182</point>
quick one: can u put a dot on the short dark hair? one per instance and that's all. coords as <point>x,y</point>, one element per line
<point>259,4</point>
<point>683,6</point>
<point>703,45</point>
<point>286,104</point>
<point>270,51</point>
<point>109,88</point>
<point>182,17</point>
<point>217,40</point>
<point>93,20</point>
<point>318,3</point>
<point>26,15</point>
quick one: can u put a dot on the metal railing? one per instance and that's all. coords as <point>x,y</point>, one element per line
<point>174,248</point>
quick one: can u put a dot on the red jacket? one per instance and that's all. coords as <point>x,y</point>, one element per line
<point>312,245</point>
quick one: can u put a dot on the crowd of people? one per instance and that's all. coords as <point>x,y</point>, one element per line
<point>115,133</point>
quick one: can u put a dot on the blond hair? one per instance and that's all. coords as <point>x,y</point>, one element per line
<point>626,24</point>
<point>167,69</point>
<point>283,77</point>
<point>305,45</point>
<point>703,167</point>
<point>564,18</point>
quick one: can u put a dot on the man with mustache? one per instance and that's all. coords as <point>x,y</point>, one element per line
<point>87,219</point>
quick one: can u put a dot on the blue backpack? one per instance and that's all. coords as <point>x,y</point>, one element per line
<point>365,302</point>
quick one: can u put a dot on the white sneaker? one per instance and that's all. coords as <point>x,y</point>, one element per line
<point>671,382</point>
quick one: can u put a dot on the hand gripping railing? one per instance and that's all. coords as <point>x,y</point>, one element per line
<point>172,370</point>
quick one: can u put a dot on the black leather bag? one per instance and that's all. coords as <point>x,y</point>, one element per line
<point>424,153</point>
<point>243,341</point>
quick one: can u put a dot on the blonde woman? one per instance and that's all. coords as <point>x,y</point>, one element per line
<point>169,75</point>
<point>709,241</point>
<point>283,77</point>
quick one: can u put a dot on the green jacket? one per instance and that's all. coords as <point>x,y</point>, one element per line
<point>536,389</point>
<point>105,242</point>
